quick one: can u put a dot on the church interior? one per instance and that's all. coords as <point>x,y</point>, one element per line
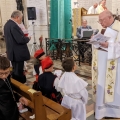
<point>53,26</point>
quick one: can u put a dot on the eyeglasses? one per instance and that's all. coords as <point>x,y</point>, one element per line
<point>100,21</point>
<point>5,73</point>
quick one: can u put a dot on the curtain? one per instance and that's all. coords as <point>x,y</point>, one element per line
<point>60,19</point>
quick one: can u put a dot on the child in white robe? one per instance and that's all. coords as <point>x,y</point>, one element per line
<point>74,90</point>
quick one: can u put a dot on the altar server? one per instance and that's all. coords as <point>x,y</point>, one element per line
<point>74,90</point>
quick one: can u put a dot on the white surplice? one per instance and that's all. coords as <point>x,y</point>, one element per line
<point>75,94</point>
<point>111,109</point>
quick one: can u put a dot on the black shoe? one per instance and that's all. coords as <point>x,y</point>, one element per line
<point>108,117</point>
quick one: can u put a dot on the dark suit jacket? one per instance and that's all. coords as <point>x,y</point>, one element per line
<point>78,34</point>
<point>16,42</point>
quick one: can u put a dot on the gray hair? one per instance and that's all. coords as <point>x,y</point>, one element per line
<point>16,13</point>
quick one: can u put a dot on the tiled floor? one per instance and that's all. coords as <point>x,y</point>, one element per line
<point>84,73</point>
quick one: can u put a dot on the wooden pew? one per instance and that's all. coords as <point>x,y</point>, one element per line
<point>42,107</point>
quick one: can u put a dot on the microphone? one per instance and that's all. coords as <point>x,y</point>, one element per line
<point>95,31</point>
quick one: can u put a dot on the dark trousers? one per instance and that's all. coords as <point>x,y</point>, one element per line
<point>81,49</point>
<point>18,71</point>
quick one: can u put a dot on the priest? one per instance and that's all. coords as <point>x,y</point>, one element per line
<point>106,68</point>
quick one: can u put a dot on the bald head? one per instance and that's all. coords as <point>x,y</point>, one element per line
<point>95,5</point>
<point>106,18</point>
<point>84,23</point>
<point>106,13</point>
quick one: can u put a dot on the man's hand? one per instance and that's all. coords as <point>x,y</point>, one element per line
<point>24,101</point>
<point>92,36</point>
<point>29,38</point>
<point>104,44</point>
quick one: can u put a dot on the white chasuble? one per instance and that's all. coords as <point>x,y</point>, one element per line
<point>108,78</point>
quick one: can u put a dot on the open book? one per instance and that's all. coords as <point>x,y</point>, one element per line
<point>97,39</point>
<point>109,35</point>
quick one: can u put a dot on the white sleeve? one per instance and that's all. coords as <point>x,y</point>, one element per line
<point>89,11</point>
<point>113,42</point>
<point>84,95</point>
<point>56,82</point>
<point>114,50</point>
<point>58,73</point>
<point>40,69</point>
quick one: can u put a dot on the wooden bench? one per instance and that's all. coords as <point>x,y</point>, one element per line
<point>42,107</point>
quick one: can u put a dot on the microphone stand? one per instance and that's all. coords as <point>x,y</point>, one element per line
<point>35,45</point>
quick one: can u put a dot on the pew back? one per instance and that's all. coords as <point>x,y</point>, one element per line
<point>43,108</point>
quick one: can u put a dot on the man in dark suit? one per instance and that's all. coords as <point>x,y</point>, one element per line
<point>16,45</point>
<point>84,26</point>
